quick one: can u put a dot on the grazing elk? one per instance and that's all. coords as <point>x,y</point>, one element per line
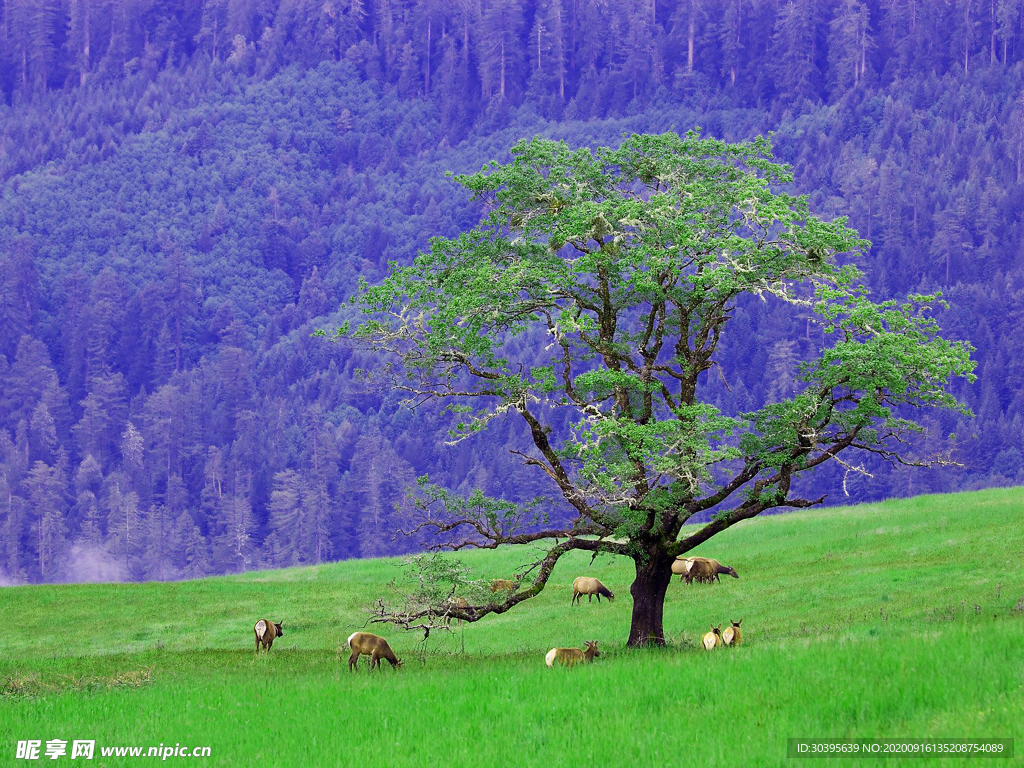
<point>587,585</point>
<point>682,566</point>
<point>374,646</point>
<point>266,633</point>
<point>706,569</point>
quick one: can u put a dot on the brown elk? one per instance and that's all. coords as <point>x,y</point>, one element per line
<point>570,657</point>
<point>706,569</point>
<point>266,633</point>
<point>713,639</point>
<point>374,646</point>
<point>682,566</point>
<point>733,635</point>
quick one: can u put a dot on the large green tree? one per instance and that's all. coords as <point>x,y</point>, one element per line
<point>621,269</point>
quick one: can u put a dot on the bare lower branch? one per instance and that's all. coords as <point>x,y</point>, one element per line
<point>439,613</point>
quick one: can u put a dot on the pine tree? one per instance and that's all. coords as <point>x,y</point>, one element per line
<point>637,66</point>
<point>91,532</point>
<point>375,483</point>
<point>212,35</point>
<point>946,244</point>
<point>156,558</point>
<point>313,299</point>
<point>194,559</point>
<point>46,494</point>
<point>104,412</point>
<point>180,299</point>
<point>79,39</point>
<point>965,38</point>
<point>547,47</point>
<point>730,38</point>
<point>781,370</point>
<point>75,288</point>
<point>848,44</point>
<point>43,439</point>
<point>408,72</point>
<point>25,382</point>
<point>106,317</point>
<point>1008,23</point>
<point>235,548</point>
<point>499,50</point>
<point>284,518</point>
<point>12,516</point>
<point>124,528</point>
<point>19,293</point>
<point>792,52</point>
<point>46,22</point>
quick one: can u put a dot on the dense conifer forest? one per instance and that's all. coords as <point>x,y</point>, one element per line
<point>188,190</point>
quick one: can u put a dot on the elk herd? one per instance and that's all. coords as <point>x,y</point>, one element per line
<point>703,570</point>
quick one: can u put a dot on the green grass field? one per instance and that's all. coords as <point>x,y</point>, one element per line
<point>902,619</point>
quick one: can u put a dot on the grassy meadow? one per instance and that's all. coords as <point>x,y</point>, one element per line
<point>901,619</point>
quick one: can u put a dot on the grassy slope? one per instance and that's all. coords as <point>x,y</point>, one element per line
<point>894,619</point>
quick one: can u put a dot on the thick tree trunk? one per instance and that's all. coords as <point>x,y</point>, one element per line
<point>652,579</point>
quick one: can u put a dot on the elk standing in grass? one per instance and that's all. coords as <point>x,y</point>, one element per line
<point>705,569</point>
<point>733,635</point>
<point>374,646</point>
<point>266,632</point>
<point>570,657</point>
<point>587,585</point>
<point>459,602</point>
<point>713,639</point>
<point>682,566</point>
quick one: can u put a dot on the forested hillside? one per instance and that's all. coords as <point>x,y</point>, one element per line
<point>188,190</point>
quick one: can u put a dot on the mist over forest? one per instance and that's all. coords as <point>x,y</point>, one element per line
<point>188,190</point>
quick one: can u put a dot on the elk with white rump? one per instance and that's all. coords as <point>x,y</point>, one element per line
<point>733,635</point>
<point>570,657</point>
<point>713,639</point>
<point>707,570</point>
<point>682,566</point>
<point>266,633</point>
<point>374,646</point>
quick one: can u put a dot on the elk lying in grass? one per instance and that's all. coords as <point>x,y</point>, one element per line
<point>733,635</point>
<point>706,570</point>
<point>501,585</point>
<point>713,639</point>
<point>266,632</point>
<point>587,585</point>
<point>374,646</point>
<point>570,657</point>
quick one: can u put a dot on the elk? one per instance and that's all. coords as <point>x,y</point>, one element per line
<point>713,639</point>
<point>707,569</point>
<point>570,657</point>
<point>374,646</point>
<point>587,585</point>
<point>682,566</point>
<point>266,633</point>
<point>459,602</point>
<point>733,635</point>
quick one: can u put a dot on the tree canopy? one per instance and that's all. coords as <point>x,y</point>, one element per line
<point>626,266</point>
